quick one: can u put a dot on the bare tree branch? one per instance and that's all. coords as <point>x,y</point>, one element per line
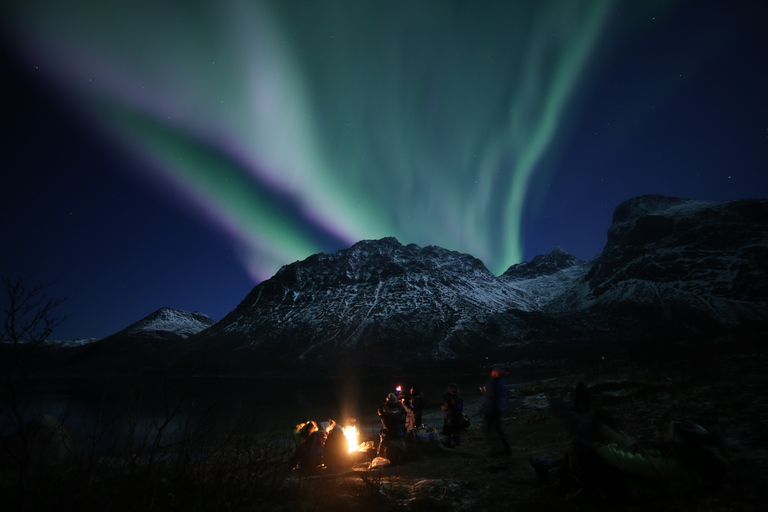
<point>29,312</point>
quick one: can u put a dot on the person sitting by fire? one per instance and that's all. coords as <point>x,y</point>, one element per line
<point>392,416</point>
<point>309,454</point>
<point>336,453</point>
<point>414,406</point>
<point>302,431</point>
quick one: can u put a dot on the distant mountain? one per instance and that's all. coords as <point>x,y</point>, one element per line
<point>376,301</point>
<point>546,278</point>
<point>541,265</point>
<point>77,342</point>
<point>670,266</point>
<point>142,342</point>
<point>677,264</point>
<point>671,269</point>
<point>168,323</point>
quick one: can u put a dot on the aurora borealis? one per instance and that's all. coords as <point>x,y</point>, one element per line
<point>285,128</point>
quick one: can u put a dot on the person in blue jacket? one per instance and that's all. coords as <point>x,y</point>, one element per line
<point>494,405</point>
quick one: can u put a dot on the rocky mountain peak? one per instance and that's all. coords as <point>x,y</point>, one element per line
<point>669,266</point>
<point>372,261</point>
<point>662,239</point>
<point>541,265</point>
<point>377,294</point>
<point>170,320</point>
<point>649,204</point>
<point>697,262</point>
<point>668,263</point>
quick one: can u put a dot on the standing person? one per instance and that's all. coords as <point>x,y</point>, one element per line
<point>392,416</point>
<point>413,409</point>
<point>494,404</point>
<point>453,407</point>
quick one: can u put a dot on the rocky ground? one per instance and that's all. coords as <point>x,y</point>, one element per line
<point>724,392</point>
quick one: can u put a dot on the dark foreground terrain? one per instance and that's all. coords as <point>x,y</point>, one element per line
<point>722,387</point>
<point>723,391</point>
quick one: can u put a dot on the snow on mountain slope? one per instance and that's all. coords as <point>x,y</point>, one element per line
<point>668,262</point>
<point>546,278</point>
<point>78,342</point>
<point>669,266</point>
<point>694,261</point>
<point>176,321</point>
<point>548,291</point>
<point>376,293</point>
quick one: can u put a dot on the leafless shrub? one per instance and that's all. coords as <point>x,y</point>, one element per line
<point>29,320</point>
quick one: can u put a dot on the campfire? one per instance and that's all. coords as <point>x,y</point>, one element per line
<point>350,432</point>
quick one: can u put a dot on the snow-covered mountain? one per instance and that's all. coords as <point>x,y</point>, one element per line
<point>546,278</point>
<point>378,297</point>
<point>678,264</point>
<point>139,344</point>
<point>77,342</point>
<point>171,322</point>
<point>165,323</point>
<point>670,267</point>
<point>668,264</point>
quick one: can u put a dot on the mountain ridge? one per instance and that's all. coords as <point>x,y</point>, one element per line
<point>139,344</point>
<point>670,267</point>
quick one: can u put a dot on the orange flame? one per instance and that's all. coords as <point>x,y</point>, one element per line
<point>350,433</point>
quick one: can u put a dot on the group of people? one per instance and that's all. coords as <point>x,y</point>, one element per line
<point>400,416</point>
<point>323,444</point>
<point>492,408</point>
<point>602,460</point>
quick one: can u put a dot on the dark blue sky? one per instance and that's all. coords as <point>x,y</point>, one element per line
<point>181,167</point>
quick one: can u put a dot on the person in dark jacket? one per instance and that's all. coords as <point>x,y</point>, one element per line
<point>392,416</point>
<point>310,453</point>
<point>413,410</point>
<point>494,405</point>
<point>302,431</point>
<point>453,407</point>
<point>336,453</point>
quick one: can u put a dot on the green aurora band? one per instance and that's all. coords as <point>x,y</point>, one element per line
<point>290,123</point>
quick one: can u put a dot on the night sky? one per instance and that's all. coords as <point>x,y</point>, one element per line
<point>176,153</point>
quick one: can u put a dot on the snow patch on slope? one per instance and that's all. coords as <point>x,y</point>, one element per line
<point>177,321</point>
